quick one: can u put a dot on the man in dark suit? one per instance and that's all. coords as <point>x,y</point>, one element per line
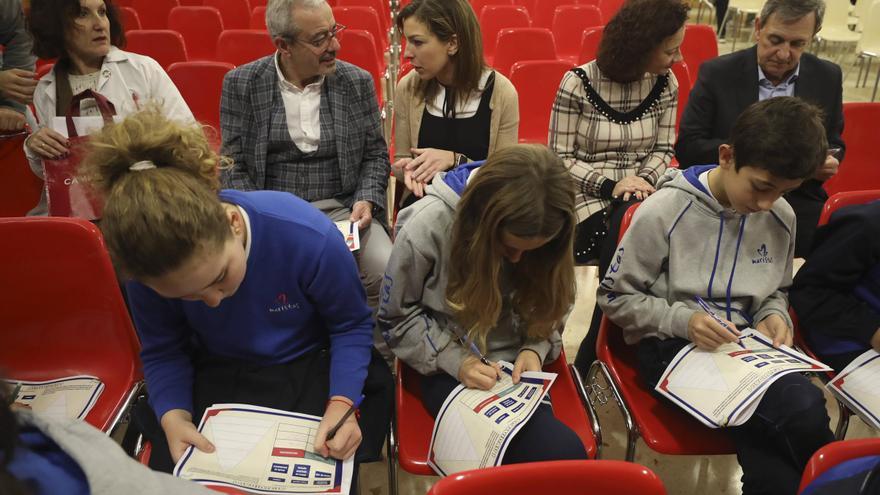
<point>775,66</point>
<point>303,122</point>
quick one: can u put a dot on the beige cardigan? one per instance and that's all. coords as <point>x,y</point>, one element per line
<point>409,108</point>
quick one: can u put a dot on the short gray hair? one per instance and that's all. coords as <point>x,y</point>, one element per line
<point>279,16</point>
<point>792,10</point>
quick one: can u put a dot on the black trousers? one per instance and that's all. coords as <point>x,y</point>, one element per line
<point>774,445</point>
<point>301,385</point>
<point>543,438</point>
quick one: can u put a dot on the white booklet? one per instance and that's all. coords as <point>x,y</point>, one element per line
<point>474,427</point>
<point>351,233</point>
<point>723,387</point>
<point>263,450</point>
<point>71,397</point>
<point>856,385</point>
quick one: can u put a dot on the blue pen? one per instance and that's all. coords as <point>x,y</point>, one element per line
<point>703,304</point>
<point>474,350</point>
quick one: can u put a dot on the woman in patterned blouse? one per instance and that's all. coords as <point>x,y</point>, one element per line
<point>613,124</point>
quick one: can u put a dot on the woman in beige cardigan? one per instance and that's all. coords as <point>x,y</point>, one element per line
<point>451,108</point>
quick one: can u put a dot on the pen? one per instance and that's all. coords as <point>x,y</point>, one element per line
<point>332,432</point>
<point>14,394</point>
<point>834,152</point>
<point>715,317</point>
<point>474,350</point>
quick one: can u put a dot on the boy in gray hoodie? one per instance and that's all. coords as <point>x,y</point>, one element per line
<point>724,233</point>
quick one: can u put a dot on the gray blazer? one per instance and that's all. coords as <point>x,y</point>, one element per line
<point>17,41</point>
<point>249,94</point>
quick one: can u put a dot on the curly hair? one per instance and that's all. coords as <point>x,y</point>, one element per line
<point>156,219</point>
<point>525,191</point>
<point>49,20</point>
<point>633,35</point>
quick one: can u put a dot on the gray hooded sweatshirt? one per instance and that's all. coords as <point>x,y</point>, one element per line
<point>413,315</point>
<point>682,243</point>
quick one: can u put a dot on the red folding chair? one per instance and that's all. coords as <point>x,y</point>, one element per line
<point>410,435</point>
<point>64,313</point>
<point>154,13</point>
<point>364,19</point>
<point>359,48</point>
<point>240,46</point>
<point>258,18</point>
<point>497,17</point>
<point>590,44</point>
<point>200,27</point>
<point>569,24</point>
<point>163,45</point>
<point>664,428</point>
<point>236,14</point>
<point>129,18</point>
<point>262,3</point>
<point>608,7</point>
<point>858,170</point>
<point>536,83</point>
<point>519,44</point>
<point>682,74</point>
<point>569,477</point>
<point>699,45</point>
<point>529,4</point>
<point>848,198</point>
<point>190,3</point>
<point>382,7</point>
<point>835,453</point>
<point>19,187</point>
<point>200,84</point>
<point>479,5</point>
<point>545,10</point>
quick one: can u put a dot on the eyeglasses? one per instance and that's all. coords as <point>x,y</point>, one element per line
<point>322,41</point>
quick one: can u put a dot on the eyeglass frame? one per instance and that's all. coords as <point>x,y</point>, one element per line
<point>325,39</point>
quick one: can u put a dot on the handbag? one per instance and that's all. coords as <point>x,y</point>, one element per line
<point>66,196</point>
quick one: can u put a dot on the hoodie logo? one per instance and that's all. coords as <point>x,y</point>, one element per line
<point>281,304</point>
<point>762,256</point>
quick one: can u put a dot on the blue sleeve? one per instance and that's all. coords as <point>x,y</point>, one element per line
<point>336,291</point>
<point>164,335</point>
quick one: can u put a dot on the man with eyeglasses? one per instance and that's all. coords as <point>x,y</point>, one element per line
<point>304,122</point>
<point>776,66</point>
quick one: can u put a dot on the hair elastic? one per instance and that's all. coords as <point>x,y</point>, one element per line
<point>142,165</point>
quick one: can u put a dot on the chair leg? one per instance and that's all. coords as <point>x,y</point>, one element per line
<point>391,447</point>
<point>876,81</point>
<point>588,405</point>
<point>632,430</point>
<point>842,421</point>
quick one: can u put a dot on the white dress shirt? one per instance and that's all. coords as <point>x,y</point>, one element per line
<point>302,107</point>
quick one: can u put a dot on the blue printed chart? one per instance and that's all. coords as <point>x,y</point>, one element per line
<point>856,385</point>
<point>723,387</point>
<point>262,450</point>
<point>474,427</point>
<point>70,397</point>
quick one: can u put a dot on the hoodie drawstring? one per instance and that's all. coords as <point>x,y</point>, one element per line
<point>728,310</point>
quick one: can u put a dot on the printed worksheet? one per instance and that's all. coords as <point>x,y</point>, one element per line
<point>723,387</point>
<point>263,450</point>
<point>856,385</point>
<point>474,427</point>
<point>69,397</point>
<point>351,233</point>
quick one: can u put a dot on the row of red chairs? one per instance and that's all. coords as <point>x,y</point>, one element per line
<point>543,12</point>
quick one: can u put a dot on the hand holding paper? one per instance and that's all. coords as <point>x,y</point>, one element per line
<point>181,433</point>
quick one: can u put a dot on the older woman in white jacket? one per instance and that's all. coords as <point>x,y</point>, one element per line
<point>83,35</point>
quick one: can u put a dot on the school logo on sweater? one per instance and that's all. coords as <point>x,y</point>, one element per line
<point>281,304</point>
<point>762,256</point>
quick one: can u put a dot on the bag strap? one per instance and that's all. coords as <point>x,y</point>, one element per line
<point>105,106</point>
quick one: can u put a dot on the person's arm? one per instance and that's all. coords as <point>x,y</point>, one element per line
<point>824,291</point>
<point>508,125</point>
<point>565,116</point>
<point>697,144</point>
<point>374,166</point>
<point>18,60</point>
<point>402,142</point>
<point>415,333</point>
<point>547,349</point>
<point>653,166</point>
<point>625,291</point>
<point>233,107</point>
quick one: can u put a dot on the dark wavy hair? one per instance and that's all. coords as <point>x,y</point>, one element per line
<point>49,20</point>
<point>634,33</point>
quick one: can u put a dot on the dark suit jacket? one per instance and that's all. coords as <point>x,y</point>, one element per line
<point>727,85</point>
<point>251,91</point>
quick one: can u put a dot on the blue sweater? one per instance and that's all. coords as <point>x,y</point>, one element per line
<point>301,292</point>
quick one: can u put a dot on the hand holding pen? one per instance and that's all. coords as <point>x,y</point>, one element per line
<point>341,439</point>
<point>708,331</point>
<point>476,371</point>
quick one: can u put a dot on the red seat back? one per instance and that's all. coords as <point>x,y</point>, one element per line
<point>382,7</point>
<point>236,14</point>
<point>154,13</point>
<point>536,82</point>
<point>63,311</point>
<point>609,8</point>
<point>590,44</point>
<point>544,10</point>
<point>848,198</point>
<point>163,45</point>
<point>569,477</point>
<point>478,5</point>
<point>19,187</point>
<point>699,45</point>
<point>129,18</point>
<point>258,18</point>
<point>518,44</point>
<point>200,28</point>
<point>200,84</point>
<point>835,453</point>
<point>359,48</point>
<point>859,168</point>
<point>682,74</point>
<point>240,46</point>
<point>364,19</point>
<point>497,17</point>
<point>569,24</point>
